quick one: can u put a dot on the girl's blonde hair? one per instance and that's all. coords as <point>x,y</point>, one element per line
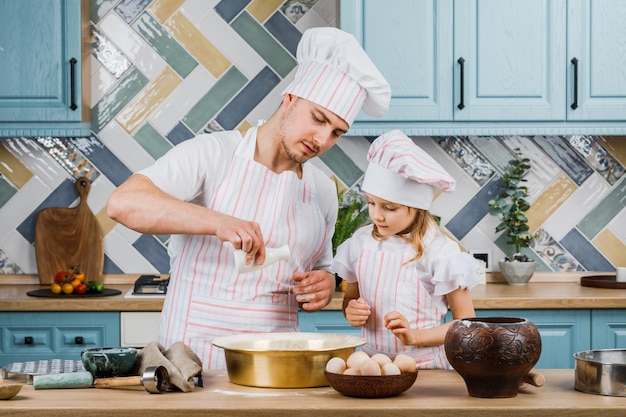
<point>422,221</point>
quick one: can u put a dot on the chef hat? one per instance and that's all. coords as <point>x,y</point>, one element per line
<point>336,73</point>
<point>403,173</point>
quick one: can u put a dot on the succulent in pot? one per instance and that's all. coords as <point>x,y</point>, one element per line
<point>510,207</point>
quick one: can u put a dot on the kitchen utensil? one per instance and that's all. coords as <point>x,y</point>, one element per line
<point>41,367</point>
<point>154,379</point>
<point>109,361</point>
<point>69,236</point>
<point>602,281</point>
<point>47,293</point>
<point>601,371</point>
<point>533,378</point>
<point>8,391</point>
<point>81,379</point>
<point>284,360</point>
<point>272,255</point>
<point>363,386</point>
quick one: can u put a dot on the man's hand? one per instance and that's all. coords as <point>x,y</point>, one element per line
<point>314,290</point>
<point>243,235</point>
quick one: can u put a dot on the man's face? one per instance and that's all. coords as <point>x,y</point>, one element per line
<point>307,129</point>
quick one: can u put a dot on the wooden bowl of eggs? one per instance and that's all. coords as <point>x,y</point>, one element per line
<point>377,376</point>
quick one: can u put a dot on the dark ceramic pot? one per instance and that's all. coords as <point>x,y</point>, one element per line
<point>109,361</point>
<point>492,354</point>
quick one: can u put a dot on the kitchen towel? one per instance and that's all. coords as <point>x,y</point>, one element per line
<point>179,360</point>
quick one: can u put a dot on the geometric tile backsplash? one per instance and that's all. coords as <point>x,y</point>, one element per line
<point>163,71</point>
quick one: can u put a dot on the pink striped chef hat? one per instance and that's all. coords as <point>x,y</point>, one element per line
<point>336,73</point>
<point>403,173</point>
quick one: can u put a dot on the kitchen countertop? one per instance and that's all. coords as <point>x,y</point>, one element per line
<point>435,393</point>
<point>494,295</point>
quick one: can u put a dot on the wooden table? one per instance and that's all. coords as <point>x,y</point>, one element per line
<point>435,393</point>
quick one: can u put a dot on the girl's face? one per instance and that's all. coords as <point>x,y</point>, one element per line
<point>390,218</point>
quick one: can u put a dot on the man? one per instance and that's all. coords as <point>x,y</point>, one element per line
<point>220,192</point>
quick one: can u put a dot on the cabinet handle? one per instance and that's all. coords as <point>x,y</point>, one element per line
<point>574,105</point>
<point>79,340</point>
<point>461,61</point>
<point>73,105</point>
<point>28,340</point>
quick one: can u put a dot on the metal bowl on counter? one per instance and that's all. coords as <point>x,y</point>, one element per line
<point>284,360</point>
<point>601,372</point>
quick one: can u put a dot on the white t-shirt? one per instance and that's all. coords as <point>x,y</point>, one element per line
<point>192,171</point>
<point>442,268</point>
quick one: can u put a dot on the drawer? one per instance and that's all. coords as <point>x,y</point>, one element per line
<point>42,335</point>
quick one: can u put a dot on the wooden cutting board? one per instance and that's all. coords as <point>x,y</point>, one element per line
<point>69,236</point>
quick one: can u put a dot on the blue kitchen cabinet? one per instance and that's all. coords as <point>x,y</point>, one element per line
<point>469,67</point>
<point>608,329</point>
<point>595,38</point>
<point>411,43</point>
<point>40,68</point>
<point>26,336</point>
<point>326,321</point>
<point>513,56</point>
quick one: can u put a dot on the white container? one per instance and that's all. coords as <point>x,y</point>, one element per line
<point>620,274</point>
<point>272,255</point>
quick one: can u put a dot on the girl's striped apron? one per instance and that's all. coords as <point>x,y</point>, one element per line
<point>206,296</point>
<point>387,284</point>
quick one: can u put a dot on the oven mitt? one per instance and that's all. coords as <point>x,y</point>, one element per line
<point>179,360</point>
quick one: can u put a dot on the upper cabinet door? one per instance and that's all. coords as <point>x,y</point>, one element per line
<point>40,61</point>
<point>596,34</point>
<point>512,60</point>
<point>410,42</point>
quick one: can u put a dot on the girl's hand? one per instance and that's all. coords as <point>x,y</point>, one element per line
<point>399,326</point>
<point>357,312</point>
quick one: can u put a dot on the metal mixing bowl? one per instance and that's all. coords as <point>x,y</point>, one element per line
<point>284,360</point>
<point>601,371</point>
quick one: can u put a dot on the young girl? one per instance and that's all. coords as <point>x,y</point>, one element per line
<point>402,272</point>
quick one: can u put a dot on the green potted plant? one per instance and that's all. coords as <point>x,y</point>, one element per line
<point>510,207</point>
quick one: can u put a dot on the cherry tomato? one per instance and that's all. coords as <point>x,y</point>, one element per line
<point>79,276</point>
<point>61,276</point>
<point>80,289</point>
<point>67,288</point>
<point>55,288</point>
<point>75,282</point>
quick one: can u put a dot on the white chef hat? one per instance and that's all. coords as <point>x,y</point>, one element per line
<point>403,173</point>
<point>336,73</point>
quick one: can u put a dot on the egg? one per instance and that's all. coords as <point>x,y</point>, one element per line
<point>405,363</point>
<point>390,369</point>
<point>352,371</point>
<point>381,359</point>
<point>370,367</point>
<point>356,359</point>
<point>336,365</point>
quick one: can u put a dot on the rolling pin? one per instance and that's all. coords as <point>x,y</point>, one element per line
<point>81,379</point>
<point>154,380</point>
<point>534,378</point>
